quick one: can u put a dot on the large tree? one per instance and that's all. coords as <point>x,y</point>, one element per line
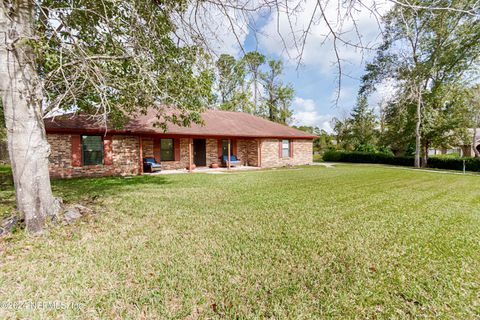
<point>230,81</point>
<point>108,58</point>
<point>253,61</point>
<point>425,52</point>
<point>285,95</point>
<point>232,84</point>
<point>446,118</point>
<point>343,133</point>
<point>278,97</point>
<point>237,79</point>
<point>363,123</point>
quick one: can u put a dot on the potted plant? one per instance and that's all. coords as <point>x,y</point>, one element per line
<point>214,165</point>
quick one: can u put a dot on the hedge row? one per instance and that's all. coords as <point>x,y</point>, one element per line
<point>363,157</point>
<point>471,164</point>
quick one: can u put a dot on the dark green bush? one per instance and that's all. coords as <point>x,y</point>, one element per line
<point>366,148</point>
<point>471,164</point>
<point>364,157</point>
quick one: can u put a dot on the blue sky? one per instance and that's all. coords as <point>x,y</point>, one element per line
<point>315,80</point>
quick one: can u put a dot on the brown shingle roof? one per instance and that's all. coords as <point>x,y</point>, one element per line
<point>216,123</point>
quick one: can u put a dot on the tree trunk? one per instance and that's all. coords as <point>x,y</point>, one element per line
<point>255,93</point>
<point>417,127</point>
<point>474,138</point>
<point>425,154</point>
<point>22,101</point>
<point>271,106</point>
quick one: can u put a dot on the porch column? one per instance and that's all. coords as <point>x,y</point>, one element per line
<point>190,161</point>
<point>140,143</point>
<point>229,153</point>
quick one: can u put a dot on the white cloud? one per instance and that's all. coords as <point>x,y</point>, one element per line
<point>305,113</point>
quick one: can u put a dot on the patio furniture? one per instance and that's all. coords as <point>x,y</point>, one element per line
<point>150,165</point>
<point>233,160</point>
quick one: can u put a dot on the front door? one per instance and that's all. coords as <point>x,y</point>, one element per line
<point>199,152</point>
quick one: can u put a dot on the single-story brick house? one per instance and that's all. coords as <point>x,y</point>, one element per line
<point>80,147</point>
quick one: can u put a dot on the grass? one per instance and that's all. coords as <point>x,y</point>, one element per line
<point>355,241</point>
<point>7,195</point>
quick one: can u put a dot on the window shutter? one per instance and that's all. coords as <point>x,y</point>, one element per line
<point>107,150</point>
<point>280,148</point>
<point>176,149</point>
<point>156,150</point>
<point>219,148</point>
<point>76,151</point>
<point>234,147</point>
<point>291,148</point>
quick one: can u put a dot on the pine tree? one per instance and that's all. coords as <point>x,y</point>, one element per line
<point>363,123</point>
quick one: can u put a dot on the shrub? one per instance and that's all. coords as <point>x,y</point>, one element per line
<point>471,164</point>
<point>367,148</point>
<point>386,150</point>
<point>364,157</point>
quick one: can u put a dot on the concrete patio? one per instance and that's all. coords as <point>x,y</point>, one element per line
<point>206,170</point>
<point>232,169</point>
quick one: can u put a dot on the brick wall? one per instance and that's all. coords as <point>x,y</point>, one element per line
<point>302,153</point>
<point>242,151</point>
<point>253,146</point>
<point>183,162</point>
<point>125,158</point>
<point>247,151</point>
<point>212,152</point>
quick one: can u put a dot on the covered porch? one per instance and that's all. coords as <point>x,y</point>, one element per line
<point>188,153</point>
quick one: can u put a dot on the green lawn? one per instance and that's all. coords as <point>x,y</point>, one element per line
<point>355,241</point>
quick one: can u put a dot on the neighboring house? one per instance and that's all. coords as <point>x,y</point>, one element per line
<point>80,147</point>
<point>464,150</point>
<point>468,148</point>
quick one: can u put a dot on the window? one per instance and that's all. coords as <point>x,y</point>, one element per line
<point>92,149</point>
<point>225,148</point>
<point>166,150</point>
<point>285,148</point>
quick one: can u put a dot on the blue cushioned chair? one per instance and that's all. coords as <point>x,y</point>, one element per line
<point>150,165</point>
<point>233,160</point>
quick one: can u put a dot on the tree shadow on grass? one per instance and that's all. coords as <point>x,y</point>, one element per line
<point>6,179</point>
<point>7,192</point>
<point>80,189</point>
<point>76,188</point>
